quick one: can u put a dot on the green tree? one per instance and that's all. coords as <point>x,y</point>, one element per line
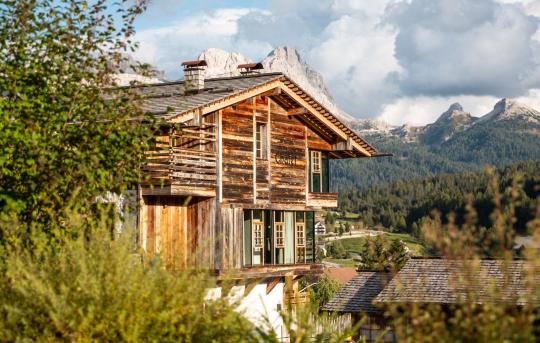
<point>378,254</point>
<point>336,250</point>
<point>62,137</point>
<point>324,290</point>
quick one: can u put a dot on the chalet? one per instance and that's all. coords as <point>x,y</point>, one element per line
<point>424,281</point>
<point>239,168</point>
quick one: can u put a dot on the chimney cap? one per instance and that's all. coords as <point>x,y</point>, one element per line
<point>196,63</point>
<point>251,66</point>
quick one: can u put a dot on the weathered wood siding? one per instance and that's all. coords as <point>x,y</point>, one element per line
<point>230,244</point>
<point>182,233</point>
<point>237,154</point>
<point>287,141</point>
<point>273,181</point>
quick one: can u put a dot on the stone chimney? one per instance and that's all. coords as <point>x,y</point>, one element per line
<point>194,73</point>
<point>250,68</point>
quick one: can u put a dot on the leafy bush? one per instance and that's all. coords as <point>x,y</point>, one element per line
<point>95,288</point>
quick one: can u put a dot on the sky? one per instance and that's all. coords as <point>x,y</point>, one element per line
<point>400,61</point>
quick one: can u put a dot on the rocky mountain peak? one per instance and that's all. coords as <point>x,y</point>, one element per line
<point>455,113</point>
<point>507,109</point>
<point>286,60</point>
<point>221,62</point>
<point>456,106</point>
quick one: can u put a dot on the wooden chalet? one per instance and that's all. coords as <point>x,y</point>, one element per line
<point>235,184</point>
<point>424,281</point>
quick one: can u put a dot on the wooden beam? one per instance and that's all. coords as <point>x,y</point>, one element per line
<point>297,111</point>
<point>220,157</point>
<point>313,110</point>
<point>228,101</point>
<point>251,283</point>
<point>272,284</point>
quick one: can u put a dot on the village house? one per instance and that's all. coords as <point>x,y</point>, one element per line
<point>425,281</point>
<point>240,167</point>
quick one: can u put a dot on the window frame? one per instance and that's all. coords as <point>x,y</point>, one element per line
<point>261,134</point>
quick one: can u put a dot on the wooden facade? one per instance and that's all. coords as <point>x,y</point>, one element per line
<point>210,177</point>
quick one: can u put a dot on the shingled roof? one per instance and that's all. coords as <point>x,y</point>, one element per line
<point>441,281</point>
<point>357,295</point>
<point>170,101</point>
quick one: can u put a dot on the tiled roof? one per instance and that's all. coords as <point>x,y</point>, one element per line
<point>358,294</point>
<point>441,281</point>
<point>167,100</point>
<point>342,274</point>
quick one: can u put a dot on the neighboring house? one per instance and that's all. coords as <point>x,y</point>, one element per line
<point>429,281</point>
<point>356,298</point>
<point>320,228</point>
<point>240,166</point>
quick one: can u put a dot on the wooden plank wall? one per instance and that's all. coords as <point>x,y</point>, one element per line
<point>183,235</point>
<point>275,182</point>
<point>288,182</point>
<point>232,220</point>
<point>314,141</point>
<point>237,154</point>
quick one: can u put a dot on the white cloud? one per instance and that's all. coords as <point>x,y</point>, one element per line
<point>356,58</point>
<point>421,110</point>
<point>477,47</point>
<point>399,60</point>
<point>168,46</point>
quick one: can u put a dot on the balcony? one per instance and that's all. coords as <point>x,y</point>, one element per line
<point>322,200</point>
<point>182,163</point>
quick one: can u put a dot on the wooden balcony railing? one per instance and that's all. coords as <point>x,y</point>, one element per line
<point>185,158</point>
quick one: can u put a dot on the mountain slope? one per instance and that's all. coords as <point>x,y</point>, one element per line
<point>456,142</point>
<point>282,59</point>
<point>451,122</point>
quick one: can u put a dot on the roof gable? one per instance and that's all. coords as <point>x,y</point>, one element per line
<point>169,102</point>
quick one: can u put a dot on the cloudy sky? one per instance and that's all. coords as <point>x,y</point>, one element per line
<point>394,60</point>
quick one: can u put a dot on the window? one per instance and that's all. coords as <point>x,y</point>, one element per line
<point>258,242</point>
<point>300,235</point>
<point>319,172</point>
<point>258,238</point>
<point>316,162</point>
<point>279,238</point>
<point>260,138</point>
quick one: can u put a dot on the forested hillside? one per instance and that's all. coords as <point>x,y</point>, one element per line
<point>403,204</point>
<point>489,142</point>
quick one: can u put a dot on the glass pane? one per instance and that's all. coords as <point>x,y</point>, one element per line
<point>310,187</point>
<point>268,236</point>
<point>300,255</point>
<point>289,238</point>
<point>299,217</point>
<point>316,183</point>
<point>325,173</point>
<point>258,242</point>
<point>310,237</point>
<point>280,255</point>
<point>257,215</point>
<point>247,238</point>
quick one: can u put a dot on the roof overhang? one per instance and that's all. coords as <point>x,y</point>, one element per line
<point>308,109</point>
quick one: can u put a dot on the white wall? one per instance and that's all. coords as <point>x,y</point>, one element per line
<point>258,307</point>
<point>262,309</point>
